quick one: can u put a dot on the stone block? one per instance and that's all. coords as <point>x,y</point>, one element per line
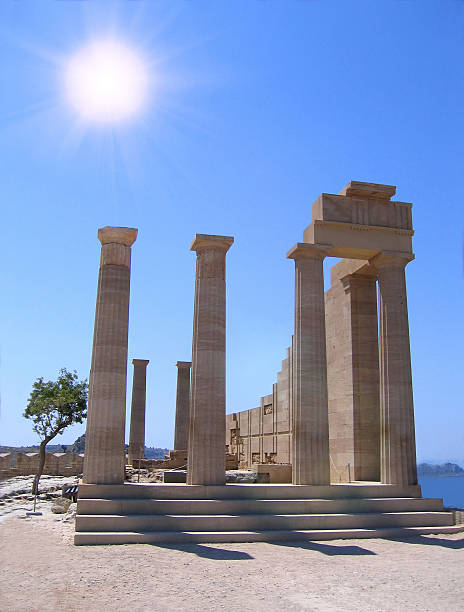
<point>278,473</point>
<point>175,476</point>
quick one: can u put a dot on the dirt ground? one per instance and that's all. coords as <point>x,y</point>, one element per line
<point>42,570</point>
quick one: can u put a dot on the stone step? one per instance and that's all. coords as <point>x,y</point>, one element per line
<point>246,491</point>
<point>211,537</point>
<point>253,522</point>
<point>256,506</point>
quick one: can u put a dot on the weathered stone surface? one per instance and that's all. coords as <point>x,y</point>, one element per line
<point>104,454</point>
<point>353,378</point>
<point>137,423</point>
<point>206,456</point>
<point>360,222</point>
<point>310,402</point>
<point>398,446</point>
<point>182,406</point>
<point>278,472</point>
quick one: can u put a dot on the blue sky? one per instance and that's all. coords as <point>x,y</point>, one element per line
<point>257,106</point>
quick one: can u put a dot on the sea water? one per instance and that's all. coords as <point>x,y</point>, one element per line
<point>450,488</point>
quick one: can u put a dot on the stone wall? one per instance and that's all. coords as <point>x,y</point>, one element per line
<point>264,434</point>
<point>25,464</point>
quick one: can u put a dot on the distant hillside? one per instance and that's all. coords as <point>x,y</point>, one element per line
<point>151,452</point>
<point>445,469</point>
<point>51,448</point>
<point>155,453</point>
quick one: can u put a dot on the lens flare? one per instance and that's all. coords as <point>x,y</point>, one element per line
<point>106,81</point>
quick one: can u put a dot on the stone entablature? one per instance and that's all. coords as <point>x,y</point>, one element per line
<point>361,222</point>
<point>371,213</point>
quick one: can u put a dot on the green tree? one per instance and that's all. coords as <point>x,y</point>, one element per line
<point>53,406</point>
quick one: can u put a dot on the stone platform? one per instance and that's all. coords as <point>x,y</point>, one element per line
<point>141,513</point>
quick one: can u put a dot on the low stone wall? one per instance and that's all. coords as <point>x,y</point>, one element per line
<point>278,472</point>
<point>458,515</point>
<point>177,460</point>
<point>26,464</point>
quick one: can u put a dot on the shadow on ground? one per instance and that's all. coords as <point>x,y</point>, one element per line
<point>326,549</point>
<point>208,552</point>
<point>221,554</point>
<point>429,541</point>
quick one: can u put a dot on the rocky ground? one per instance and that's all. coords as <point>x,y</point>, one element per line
<point>16,498</point>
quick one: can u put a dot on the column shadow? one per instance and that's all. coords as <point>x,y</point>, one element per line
<point>429,541</point>
<point>207,552</point>
<point>326,549</point>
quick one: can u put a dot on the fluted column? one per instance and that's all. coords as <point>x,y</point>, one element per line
<point>137,422</point>
<point>206,447</point>
<point>363,363</point>
<point>310,403</point>
<point>182,406</point>
<point>104,443</point>
<point>398,445</point>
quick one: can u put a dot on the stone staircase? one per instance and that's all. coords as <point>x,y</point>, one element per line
<point>140,513</point>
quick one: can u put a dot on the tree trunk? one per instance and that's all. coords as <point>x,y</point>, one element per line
<point>35,484</point>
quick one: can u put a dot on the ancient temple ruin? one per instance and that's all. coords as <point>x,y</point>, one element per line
<point>341,411</point>
<point>369,398</point>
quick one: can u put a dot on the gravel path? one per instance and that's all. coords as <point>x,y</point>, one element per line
<point>42,570</point>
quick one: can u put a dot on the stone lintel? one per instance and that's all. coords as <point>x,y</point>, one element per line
<point>118,235</point>
<point>368,191</point>
<point>210,241</point>
<point>184,364</point>
<point>303,250</point>
<point>392,258</point>
<point>140,362</point>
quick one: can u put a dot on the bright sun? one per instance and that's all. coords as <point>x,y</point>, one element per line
<point>106,82</point>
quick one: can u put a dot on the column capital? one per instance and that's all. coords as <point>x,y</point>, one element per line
<point>184,364</point>
<point>140,362</point>
<point>118,235</point>
<point>354,281</point>
<point>392,259</point>
<point>303,250</point>
<point>207,241</point>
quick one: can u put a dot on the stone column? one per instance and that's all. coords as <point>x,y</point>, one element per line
<point>206,447</point>
<point>310,455</point>
<point>398,445</point>
<point>182,405</point>
<point>363,361</point>
<point>137,423</point>
<point>104,443</point>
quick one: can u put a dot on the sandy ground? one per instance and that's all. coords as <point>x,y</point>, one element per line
<point>42,570</point>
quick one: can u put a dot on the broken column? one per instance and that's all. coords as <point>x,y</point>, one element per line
<point>137,423</point>
<point>104,444</point>
<point>310,404</point>
<point>397,443</point>
<point>182,405</point>
<point>206,449</point>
